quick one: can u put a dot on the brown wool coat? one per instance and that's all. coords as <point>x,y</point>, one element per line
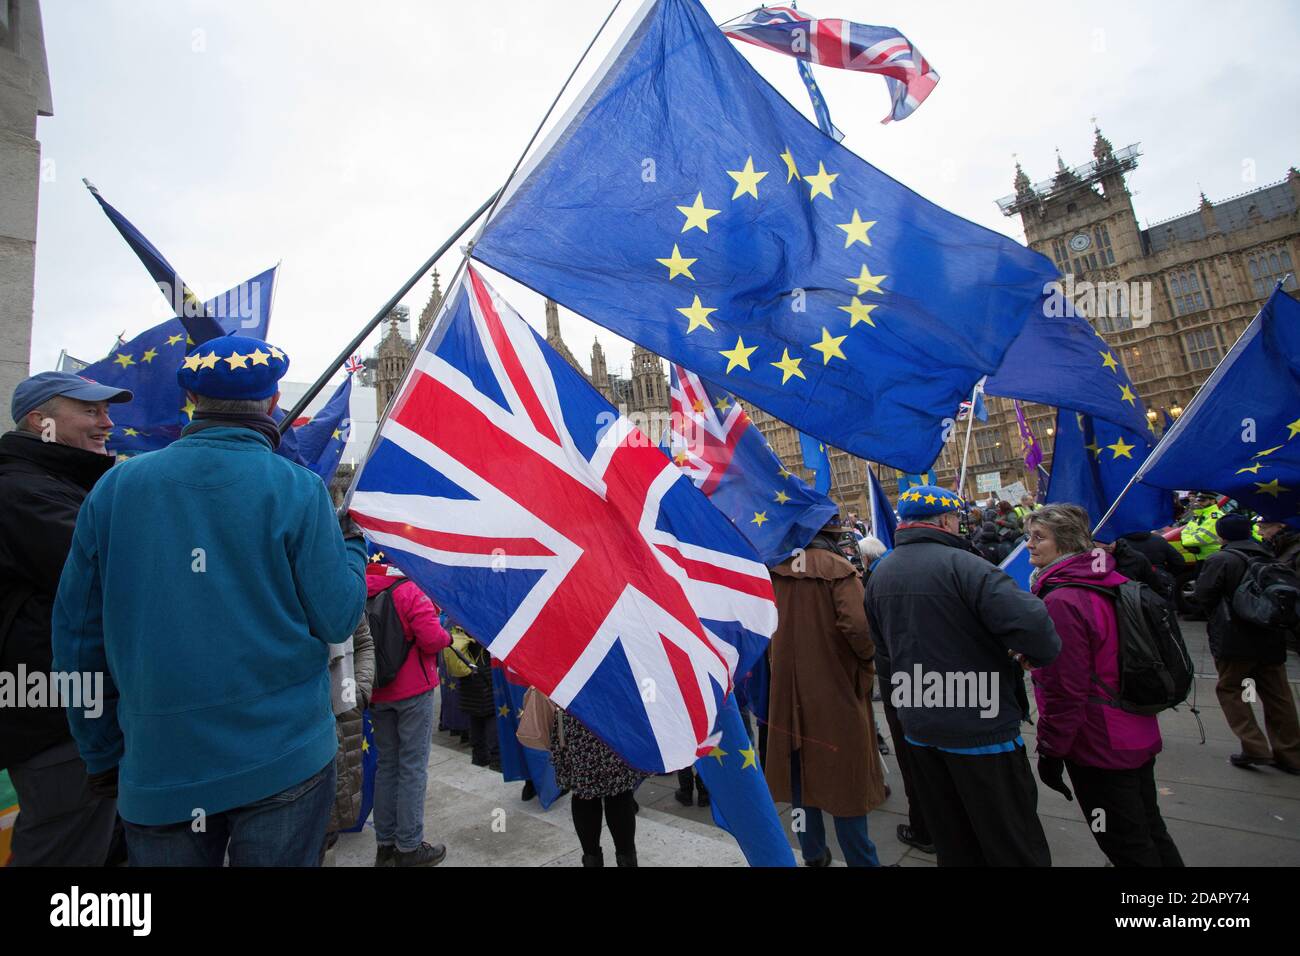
<point>820,701</point>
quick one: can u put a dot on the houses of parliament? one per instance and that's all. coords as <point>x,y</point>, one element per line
<point>1207,272</point>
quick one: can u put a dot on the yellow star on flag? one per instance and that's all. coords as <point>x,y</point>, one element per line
<point>829,346</point>
<point>173,339</point>
<point>188,409</point>
<point>130,432</point>
<point>697,214</point>
<point>698,315</point>
<point>1266,451</point>
<point>236,360</point>
<point>121,457</point>
<point>789,367</point>
<point>1126,395</point>
<point>790,171</point>
<point>1270,488</point>
<point>782,497</point>
<point>209,361</point>
<point>739,356</point>
<point>749,758</point>
<point>681,459</point>
<point>1294,429</point>
<point>698,404</point>
<point>191,362</point>
<point>1109,362</point>
<point>820,182</point>
<point>1120,449</point>
<point>747,180</point>
<point>336,434</point>
<point>718,752</point>
<point>123,360</point>
<point>784,473</point>
<point>866,282</point>
<point>722,405</point>
<point>759,518</point>
<point>858,312</point>
<point>678,265</point>
<point>1253,469</point>
<point>856,230</point>
<point>1094,448</point>
<point>259,357</point>
<point>504,710</point>
<point>188,340</point>
<point>149,355</point>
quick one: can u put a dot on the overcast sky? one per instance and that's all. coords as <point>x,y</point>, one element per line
<point>348,140</point>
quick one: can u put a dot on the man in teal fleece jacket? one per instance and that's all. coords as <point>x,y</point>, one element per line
<point>204,582</point>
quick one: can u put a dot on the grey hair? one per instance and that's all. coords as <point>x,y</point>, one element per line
<point>46,409</point>
<point>233,406</point>
<point>871,548</point>
<point>1069,525</point>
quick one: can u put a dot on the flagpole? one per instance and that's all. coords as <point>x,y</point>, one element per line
<point>1173,430</point>
<point>970,423</point>
<point>350,349</point>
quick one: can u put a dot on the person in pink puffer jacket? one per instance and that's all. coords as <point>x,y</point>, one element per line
<point>1109,753</point>
<point>402,713</point>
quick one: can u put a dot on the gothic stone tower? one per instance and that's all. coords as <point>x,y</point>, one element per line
<point>394,355</point>
<point>649,385</point>
<point>432,306</point>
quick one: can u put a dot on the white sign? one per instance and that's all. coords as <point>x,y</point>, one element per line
<point>1013,492</point>
<point>988,482</point>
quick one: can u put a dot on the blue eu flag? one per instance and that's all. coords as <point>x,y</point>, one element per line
<point>1092,462</point>
<point>816,459</point>
<point>517,761</point>
<point>1057,359</point>
<point>685,205</point>
<point>883,521</point>
<point>321,440</point>
<point>1235,437</point>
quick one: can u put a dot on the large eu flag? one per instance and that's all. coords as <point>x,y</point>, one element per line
<point>321,441</point>
<point>1092,463</point>
<point>1235,437</point>
<point>685,205</point>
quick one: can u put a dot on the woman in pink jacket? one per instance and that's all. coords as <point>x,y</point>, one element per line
<point>402,713</point>
<point>1109,753</point>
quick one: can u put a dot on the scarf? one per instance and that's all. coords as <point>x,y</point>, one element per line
<point>264,425</point>
<point>1039,572</point>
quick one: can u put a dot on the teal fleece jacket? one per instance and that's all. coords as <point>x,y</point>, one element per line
<point>204,582</point>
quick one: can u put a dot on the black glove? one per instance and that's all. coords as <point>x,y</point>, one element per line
<point>347,525</point>
<point>104,783</point>
<point>1051,770</point>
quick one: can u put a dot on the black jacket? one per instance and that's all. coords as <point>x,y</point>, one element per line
<point>1162,555</point>
<point>42,485</point>
<point>1135,566</point>
<point>1233,640</point>
<point>935,604</point>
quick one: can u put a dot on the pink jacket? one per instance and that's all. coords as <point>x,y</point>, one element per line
<point>419,672</point>
<point>1070,724</point>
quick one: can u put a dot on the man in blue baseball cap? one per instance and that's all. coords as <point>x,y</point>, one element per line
<point>48,464</point>
<point>208,579</point>
<point>951,631</point>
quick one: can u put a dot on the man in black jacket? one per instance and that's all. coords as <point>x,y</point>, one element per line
<point>1244,652</point>
<point>951,633</point>
<point>48,464</point>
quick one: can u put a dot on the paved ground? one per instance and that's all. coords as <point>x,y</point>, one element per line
<point>1217,814</point>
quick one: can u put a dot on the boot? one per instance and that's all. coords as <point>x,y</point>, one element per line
<point>594,859</point>
<point>625,859</point>
<point>685,787</point>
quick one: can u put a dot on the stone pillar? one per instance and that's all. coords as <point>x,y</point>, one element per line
<point>24,95</point>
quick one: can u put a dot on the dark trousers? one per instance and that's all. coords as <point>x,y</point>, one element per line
<point>1130,831</point>
<point>620,815</point>
<point>60,822</point>
<point>688,779</point>
<point>483,739</point>
<point>982,809</point>
<point>284,829</point>
<point>903,751</point>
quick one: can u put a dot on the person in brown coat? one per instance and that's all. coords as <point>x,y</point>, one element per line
<point>821,752</point>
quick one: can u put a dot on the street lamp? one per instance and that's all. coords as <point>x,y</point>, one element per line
<point>1151,415</point>
<point>1176,411</point>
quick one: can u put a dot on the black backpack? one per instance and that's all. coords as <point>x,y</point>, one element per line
<point>391,645</point>
<point>1155,670</point>
<point>1267,594</point>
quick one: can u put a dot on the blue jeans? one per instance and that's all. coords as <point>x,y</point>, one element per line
<point>285,829</point>
<point>403,734</point>
<point>850,831</point>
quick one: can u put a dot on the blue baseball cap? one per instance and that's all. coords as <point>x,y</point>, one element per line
<point>34,392</point>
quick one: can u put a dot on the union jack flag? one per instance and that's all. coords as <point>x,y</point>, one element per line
<point>561,537</point>
<point>845,45</point>
<point>354,365</point>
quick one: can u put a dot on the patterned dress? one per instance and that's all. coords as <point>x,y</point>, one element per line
<point>585,765</point>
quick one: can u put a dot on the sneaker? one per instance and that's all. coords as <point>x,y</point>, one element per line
<point>530,791</point>
<point>824,861</point>
<point>905,835</point>
<point>386,856</point>
<point>424,855</point>
<point>1247,762</point>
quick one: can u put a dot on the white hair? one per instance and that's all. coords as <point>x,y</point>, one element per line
<point>871,548</point>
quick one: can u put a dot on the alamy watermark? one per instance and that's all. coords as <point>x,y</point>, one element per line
<point>82,691</point>
<point>955,689</point>
<point>1130,301</point>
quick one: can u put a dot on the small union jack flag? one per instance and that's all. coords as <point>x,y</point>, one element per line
<point>353,365</point>
<point>845,45</point>
<point>562,538</point>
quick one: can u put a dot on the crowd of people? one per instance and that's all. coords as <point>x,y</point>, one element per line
<point>236,687</point>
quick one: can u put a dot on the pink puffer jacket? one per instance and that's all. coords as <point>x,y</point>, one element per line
<point>419,672</point>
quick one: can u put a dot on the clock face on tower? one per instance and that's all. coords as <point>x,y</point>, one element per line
<point>1080,241</point>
